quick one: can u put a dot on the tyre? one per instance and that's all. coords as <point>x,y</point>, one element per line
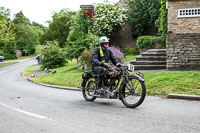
<point>133,97</point>
<point>89,90</point>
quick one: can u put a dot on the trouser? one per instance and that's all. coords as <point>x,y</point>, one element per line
<point>100,71</point>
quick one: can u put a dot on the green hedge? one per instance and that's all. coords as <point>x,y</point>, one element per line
<point>149,41</point>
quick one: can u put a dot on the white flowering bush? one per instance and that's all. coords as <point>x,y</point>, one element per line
<point>107,19</point>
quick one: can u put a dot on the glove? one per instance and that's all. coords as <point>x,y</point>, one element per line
<point>101,64</point>
<point>119,65</point>
<point>104,65</point>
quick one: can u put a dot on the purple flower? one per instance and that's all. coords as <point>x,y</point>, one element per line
<point>119,55</point>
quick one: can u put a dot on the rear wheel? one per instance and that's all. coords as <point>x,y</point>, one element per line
<point>89,90</point>
<point>134,95</point>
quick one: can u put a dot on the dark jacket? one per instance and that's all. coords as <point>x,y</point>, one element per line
<point>97,60</point>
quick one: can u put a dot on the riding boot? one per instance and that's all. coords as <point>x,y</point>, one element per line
<point>98,90</point>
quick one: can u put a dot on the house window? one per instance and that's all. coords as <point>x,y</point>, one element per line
<point>189,12</point>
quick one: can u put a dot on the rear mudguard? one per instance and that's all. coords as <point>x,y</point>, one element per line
<point>83,83</point>
<point>85,76</point>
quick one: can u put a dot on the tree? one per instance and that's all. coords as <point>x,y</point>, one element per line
<point>108,19</point>
<point>26,38</point>
<point>39,26</point>
<point>40,30</point>
<point>7,39</point>
<point>21,19</point>
<point>6,13</point>
<point>143,13</point>
<point>79,39</point>
<point>59,28</point>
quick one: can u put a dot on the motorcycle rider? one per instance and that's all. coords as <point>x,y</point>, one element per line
<point>100,57</point>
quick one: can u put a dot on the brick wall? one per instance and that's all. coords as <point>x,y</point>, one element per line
<point>183,39</point>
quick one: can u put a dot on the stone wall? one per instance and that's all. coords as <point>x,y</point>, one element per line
<point>183,51</point>
<point>124,38</point>
<point>182,25</point>
<point>183,39</point>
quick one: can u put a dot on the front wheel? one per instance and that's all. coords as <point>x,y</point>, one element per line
<point>133,95</point>
<point>89,90</point>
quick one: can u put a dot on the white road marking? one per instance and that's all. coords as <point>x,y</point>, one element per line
<point>2,71</point>
<point>27,113</point>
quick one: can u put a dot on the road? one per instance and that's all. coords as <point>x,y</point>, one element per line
<point>26,107</point>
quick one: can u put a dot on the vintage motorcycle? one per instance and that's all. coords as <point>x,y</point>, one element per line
<point>118,83</point>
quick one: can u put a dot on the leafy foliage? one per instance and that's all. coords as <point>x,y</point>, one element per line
<point>53,56</point>
<point>59,28</point>
<point>6,13</point>
<point>7,39</point>
<point>148,41</point>
<point>26,38</point>
<point>79,39</point>
<point>143,13</point>
<point>85,59</point>
<point>21,19</point>
<point>107,19</point>
<point>39,29</point>
<point>163,18</point>
<point>131,51</point>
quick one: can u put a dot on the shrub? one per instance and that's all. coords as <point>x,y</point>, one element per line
<point>9,56</point>
<point>1,52</point>
<point>119,55</point>
<point>130,51</point>
<point>148,41</point>
<point>107,19</point>
<point>53,56</point>
<point>85,59</point>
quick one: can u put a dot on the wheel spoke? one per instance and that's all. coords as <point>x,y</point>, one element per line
<point>134,93</point>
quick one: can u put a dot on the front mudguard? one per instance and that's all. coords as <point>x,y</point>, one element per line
<point>137,77</point>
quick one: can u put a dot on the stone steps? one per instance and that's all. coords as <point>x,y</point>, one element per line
<point>152,59</point>
<point>149,67</point>
<point>148,62</point>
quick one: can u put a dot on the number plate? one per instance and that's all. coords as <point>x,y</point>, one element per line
<point>131,68</point>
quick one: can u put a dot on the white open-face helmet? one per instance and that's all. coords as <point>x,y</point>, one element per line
<point>103,40</point>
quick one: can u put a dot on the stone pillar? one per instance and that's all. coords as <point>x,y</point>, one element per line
<point>183,38</point>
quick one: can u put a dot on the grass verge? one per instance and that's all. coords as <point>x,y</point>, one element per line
<point>68,75</point>
<point>160,84</point>
<point>182,82</point>
<point>129,57</point>
<point>7,63</point>
<point>28,70</point>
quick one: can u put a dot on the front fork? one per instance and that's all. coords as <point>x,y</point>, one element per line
<point>125,82</point>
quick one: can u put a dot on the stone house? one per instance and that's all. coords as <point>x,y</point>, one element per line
<point>183,37</point>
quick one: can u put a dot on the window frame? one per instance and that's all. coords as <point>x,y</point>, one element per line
<point>189,12</point>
